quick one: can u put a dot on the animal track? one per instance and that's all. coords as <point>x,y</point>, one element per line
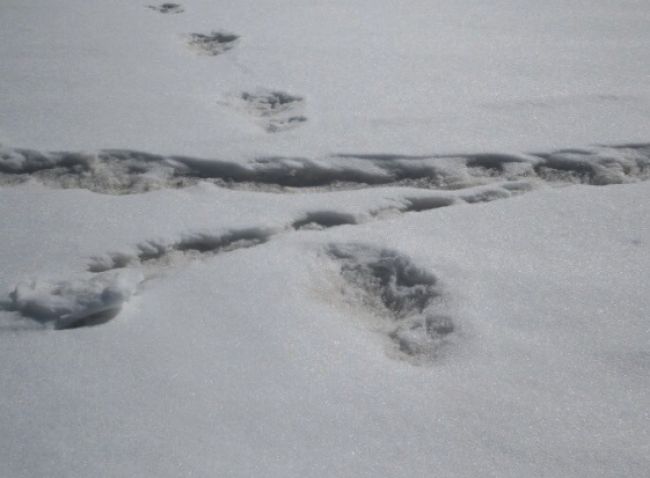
<point>276,111</point>
<point>408,299</point>
<point>214,43</point>
<point>269,103</point>
<point>129,172</point>
<point>167,8</point>
<point>191,247</point>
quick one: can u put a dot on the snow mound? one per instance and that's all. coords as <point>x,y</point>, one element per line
<point>73,303</point>
<point>408,299</point>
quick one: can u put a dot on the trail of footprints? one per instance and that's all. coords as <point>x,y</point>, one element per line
<point>117,277</point>
<point>409,303</point>
<point>132,172</point>
<point>414,320</point>
<point>274,111</point>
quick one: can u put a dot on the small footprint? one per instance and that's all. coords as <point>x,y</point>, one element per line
<point>213,44</point>
<point>167,8</point>
<point>191,247</point>
<point>276,111</point>
<point>269,103</point>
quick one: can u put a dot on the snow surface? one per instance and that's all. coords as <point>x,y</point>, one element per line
<point>308,239</point>
<point>388,76</point>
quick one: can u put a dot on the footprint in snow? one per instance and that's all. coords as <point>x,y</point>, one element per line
<point>275,111</point>
<point>167,8</point>
<point>213,44</point>
<point>408,300</point>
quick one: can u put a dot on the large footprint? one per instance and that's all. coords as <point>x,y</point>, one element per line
<point>408,300</point>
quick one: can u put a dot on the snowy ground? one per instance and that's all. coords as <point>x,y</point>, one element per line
<point>365,76</point>
<point>314,239</point>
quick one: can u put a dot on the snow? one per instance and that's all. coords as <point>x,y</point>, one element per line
<point>73,302</point>
<point>376,76</point>
<point>261,361</point>
<point>307,239</point>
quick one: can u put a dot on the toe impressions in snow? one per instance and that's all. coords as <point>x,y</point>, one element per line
<point>131,172</point>
<point>408,299</point>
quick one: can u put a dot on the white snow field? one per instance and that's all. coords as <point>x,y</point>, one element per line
<point>365,76</point>
<point>306,239</point>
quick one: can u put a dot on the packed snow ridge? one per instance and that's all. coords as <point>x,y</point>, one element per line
<point>131,172</point>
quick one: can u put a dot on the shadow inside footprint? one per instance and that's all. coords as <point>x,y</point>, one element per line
<point>319,220</point>
<point>91,320</point>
